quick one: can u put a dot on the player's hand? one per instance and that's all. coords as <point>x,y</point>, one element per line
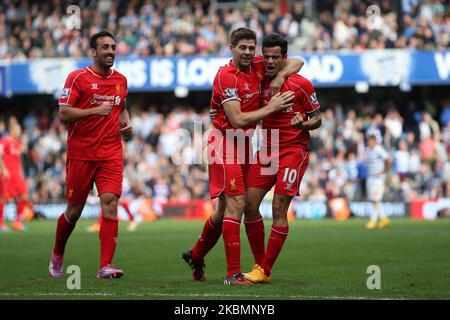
<point>275,85</point>
<point>212,114</point>
<point>281,101</point>
<point>104,109</point>
<point>297,121</point>
<point>126,131</point>
<point>5,173</point>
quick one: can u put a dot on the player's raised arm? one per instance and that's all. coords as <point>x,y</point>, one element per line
<point>293,65</point>
<point>70,114</point>
<point>239,119</point>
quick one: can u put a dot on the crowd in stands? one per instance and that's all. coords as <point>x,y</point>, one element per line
<point>36,29</point>
<point>416,136</point>
<point>417,139</point>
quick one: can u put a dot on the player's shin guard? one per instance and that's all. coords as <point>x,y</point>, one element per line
<point>276,240</point>
<point>64,229</point>
<point>109,230</point>
<point>232,241</point>
<point>255,234</point>
<point>207,240</point>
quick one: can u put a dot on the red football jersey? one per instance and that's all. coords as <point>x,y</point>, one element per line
<point>305,102</point>
<point>11,150</point>
<point>231,83</point>
<point>95,137</point>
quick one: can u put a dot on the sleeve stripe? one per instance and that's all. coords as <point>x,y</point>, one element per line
<point>307,97</point>
<point>73,81</point>
<point>318,107</point>
<point>221,89</point>
<point>230,99</point>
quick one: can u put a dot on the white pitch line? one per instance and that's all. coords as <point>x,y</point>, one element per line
<point>56,294</point>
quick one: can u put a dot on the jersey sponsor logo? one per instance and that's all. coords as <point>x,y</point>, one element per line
<point>248,96</point>
<point>102,98</point>
<point>231,93</point>
<point>313,98</point>
<point>94,86</point>
<point>65,93</point>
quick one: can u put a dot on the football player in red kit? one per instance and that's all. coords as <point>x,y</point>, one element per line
<point>236,102</point>
<point>14,185</point>
<point>287,150</point>
<point>92,104</point>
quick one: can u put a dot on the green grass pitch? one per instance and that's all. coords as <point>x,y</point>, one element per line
<point>324,259</point>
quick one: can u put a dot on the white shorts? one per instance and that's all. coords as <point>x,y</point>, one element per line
<point>375,188</point>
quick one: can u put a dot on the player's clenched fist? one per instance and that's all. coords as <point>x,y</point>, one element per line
<point>297,121</point>
<point>126,131</point>
<point>104,109</point>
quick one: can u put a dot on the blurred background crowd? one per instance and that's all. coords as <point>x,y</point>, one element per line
<point>36,29</point>
<point>416,137</point>
<point>414,131</point>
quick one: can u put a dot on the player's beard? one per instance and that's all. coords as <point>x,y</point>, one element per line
<point>108,62</point>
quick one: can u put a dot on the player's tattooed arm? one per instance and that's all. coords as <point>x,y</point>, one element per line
<point>293,65</point>
<point>314,121</point>
<point>71,114</point>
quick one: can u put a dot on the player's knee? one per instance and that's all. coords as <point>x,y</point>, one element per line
<point>73,212</point>
<point>236,206</point>
<point>109,202</point>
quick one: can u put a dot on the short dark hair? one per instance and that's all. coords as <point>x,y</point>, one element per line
<point>103,33</point>
<point>275,40</point>
<point>242,33</point>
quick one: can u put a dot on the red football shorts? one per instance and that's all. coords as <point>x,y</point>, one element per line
<point>81,175</point>
<point>285,171</point>
<point>227,165</point>
<point>14,187</point>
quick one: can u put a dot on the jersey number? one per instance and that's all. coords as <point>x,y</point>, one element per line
<point>290,176</point>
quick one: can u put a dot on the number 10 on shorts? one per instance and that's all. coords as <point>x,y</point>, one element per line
<point>289,177</point>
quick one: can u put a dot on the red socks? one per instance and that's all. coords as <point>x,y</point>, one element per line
<point>125,206</point>
<point>108,237</point>
<point>255,234</point>
<point>206,241</point>
<point>20,209</point>
<point>276,240</point>
<point>63,231</point>
<point>2,205</point>
<point>232,240</point>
